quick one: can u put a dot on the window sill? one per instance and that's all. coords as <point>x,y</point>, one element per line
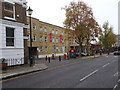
<point>10,18</point>
<point>10,46</point>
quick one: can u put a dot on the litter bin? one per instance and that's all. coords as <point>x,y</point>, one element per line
<point>64,56</point>
<point>3,64</point>
<point>53,57</point>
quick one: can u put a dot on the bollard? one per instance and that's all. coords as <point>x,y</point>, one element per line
<point>53,57</point>
<point>64,56</point>
<point>59,58</point>
<point>46,58</point>
<point>67,57</point>
<point>49,59</point>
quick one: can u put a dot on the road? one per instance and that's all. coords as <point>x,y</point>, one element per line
<point>100,72</point>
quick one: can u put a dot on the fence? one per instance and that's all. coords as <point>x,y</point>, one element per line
<point>14,62</point>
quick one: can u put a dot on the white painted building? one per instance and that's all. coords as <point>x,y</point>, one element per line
<point>12,26</point>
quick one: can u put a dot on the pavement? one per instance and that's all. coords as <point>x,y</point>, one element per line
<point>39,66</point>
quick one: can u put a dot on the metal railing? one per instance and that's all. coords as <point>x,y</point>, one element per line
<point>14,61</point>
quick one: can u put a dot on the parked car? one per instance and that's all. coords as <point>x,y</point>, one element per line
<point>83,54</point>
<point>72,55</point>
<point>77,54</point>
<point>116,52</point>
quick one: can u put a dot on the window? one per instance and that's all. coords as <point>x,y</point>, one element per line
<point>62,41</point>
<point>40,28</point>
<point>41,48</point>
<point>45,39</point>
<point>9,36</point>
<point>34,27</point>
<point>65,49</point>
<point>34,38</point>
<point>54,48</point>
<point>56,40</point>
<point>41,39</point>
<point>28,37</point>
<point>65,41</point>
<point>45,30</point>
<point>52,31</point>
<point>52,39</point>
<point>56,32</point>
<point>9,9</point>
<point>46,49</point>
<point>8,6</point>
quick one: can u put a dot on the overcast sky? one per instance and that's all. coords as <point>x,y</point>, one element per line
<point>50,11</point>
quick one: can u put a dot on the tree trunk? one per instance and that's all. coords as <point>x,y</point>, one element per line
<point>80,49</point>
<point>88,48</point>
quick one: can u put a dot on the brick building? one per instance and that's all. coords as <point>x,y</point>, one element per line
<point>49,39</point>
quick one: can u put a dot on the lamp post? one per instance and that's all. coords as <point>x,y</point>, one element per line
<point>30,50</point>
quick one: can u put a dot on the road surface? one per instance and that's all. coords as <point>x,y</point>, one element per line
<point>100,72</point>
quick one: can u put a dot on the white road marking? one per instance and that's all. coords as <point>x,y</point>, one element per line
<point>88,75</point>
<point>118,80</point>
<point>107,56</point>
<point>105,65</point>
<point>115,56</point>
<point>116,74</point>
<point>115,87</point>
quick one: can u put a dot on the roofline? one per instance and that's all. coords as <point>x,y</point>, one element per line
<point>47,23</point>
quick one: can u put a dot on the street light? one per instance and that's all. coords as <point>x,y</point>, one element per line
<point>29,11</point>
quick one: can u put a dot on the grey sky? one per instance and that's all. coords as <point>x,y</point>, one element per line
<point>50,11</point>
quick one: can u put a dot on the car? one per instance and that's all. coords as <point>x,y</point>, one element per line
<point>84,54</point>
<point>72,55</point>
<point>116,52</point>
<point>77,54</point>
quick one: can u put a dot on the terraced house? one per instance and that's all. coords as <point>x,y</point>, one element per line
<point>48,39</point>
<point>13,24</point>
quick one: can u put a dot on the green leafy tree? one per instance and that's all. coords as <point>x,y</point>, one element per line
<point>107,37</point>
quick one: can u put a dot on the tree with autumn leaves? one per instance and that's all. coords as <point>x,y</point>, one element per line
<point>79,17</point>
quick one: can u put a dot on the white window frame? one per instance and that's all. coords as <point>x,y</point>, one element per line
<point>41,38</point>
<point>41,48</point>
<point>46,39</point>
<point>11,11</point>
<point>45,30</point>
<point>46,48</point>
<point>53,31</point>
<point>53,40</point>
<point>56,32</point>
<point>56,40</point>
<point>11,38</point>
<point>28,37</point>
<point>57,49</point>
<point>41,29</point>
<point>34,37</point>
<point>34,27</point>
